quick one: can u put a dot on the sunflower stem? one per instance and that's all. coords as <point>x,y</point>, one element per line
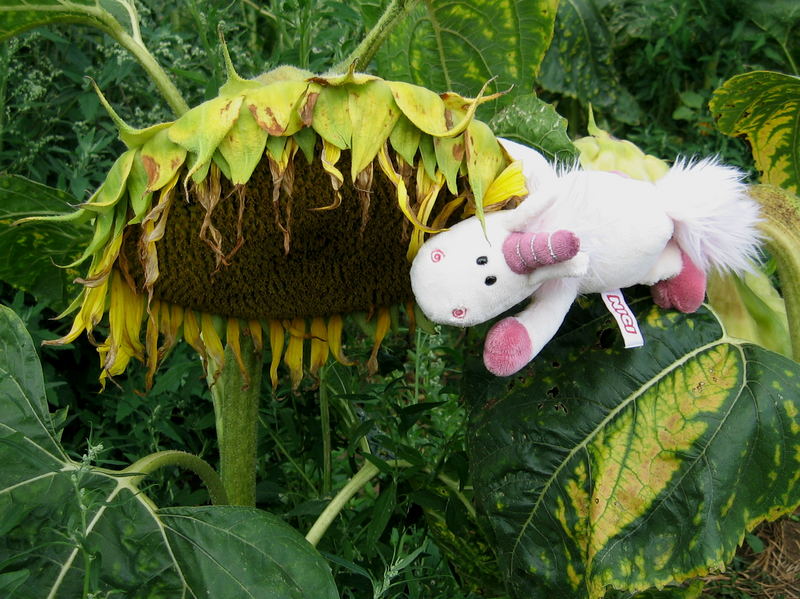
<point>149,464</point>
<point>325,423</point>
<point>363,54</point>
<point>236,393</point>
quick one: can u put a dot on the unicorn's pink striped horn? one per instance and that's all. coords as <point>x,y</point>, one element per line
<point>525,252</point>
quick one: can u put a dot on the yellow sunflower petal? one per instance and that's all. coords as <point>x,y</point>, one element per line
<point>232,340</point>
<point>294,350</point>
<point>381,328</point>
<point>335,326</point>
<point>276,341</point>
<point>319,344</point>
<point>211,339</point>
<point>254,326</point>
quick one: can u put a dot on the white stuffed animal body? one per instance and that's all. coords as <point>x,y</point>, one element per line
<point>584,232</point>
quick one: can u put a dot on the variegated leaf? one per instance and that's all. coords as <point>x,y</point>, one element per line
<point>604,468</point>
<point>764,107</point>
<point>458,46</point>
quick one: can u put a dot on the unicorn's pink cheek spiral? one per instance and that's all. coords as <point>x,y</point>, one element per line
<point>459,313</point>
<point>437,255</point>
<point>525,252</point>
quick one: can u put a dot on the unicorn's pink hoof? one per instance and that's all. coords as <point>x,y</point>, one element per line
<point>507,348</point>
<point>685,291</point>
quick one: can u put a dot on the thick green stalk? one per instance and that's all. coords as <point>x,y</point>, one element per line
<point>236,393</point>
<point>781,210</point>
<point>141,468</point>
<point>363,54</point>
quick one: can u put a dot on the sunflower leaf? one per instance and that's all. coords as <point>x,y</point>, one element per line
<point>535,123</point>
<point>59,517</point>
<point>600,466</point>
<point>580,63</point>
<point>764,107</point>
<point>32,250</point>
<point>460,46</point>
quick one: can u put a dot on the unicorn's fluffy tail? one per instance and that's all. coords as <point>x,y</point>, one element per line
<point>715,219</point>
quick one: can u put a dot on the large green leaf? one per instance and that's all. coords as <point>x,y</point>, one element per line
<point>458,46</point>
<point>17,16</point>
<point>66,526</point>
<point>536,123</point>
<point>580,62</point>
<point>604,467</point>
<point>34,250</point>
<point>764,107</point>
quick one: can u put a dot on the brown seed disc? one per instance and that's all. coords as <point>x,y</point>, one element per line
<point>332,267</point>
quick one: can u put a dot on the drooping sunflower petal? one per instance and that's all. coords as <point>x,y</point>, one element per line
<point>151,341</point>
<point>294,350</point>
<point>254,326</point>
<point>319,344</point>
<point>335,326</point>
<point>428,190</point>
<point>191,333</point>
<point>402,193</point>
<point>330,156</point>
<point>381,328</point>
<point>211,339</point>
<point>232,340</point>
<point>276,342</point>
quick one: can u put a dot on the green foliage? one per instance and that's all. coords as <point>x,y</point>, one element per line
<point>605,467</point>
<point>459,46</point>
<point>764,107</point>
<point>70,528</point>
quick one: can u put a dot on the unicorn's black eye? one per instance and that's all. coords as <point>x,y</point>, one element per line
<point>491,280</point>
<point>482,260</point>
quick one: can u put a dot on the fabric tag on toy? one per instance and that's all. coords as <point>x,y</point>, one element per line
<point>626,321</point>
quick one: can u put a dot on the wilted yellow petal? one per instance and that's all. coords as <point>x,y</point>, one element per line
<point>210,336</point>
<point>256,334</point>
<point>151,341</point>
<point>191,333</point>
<point>232,341</point>
<point>276,341</point>
<point>381,328</point>
<point>335,325</point>
<point>294,350</point>
<point>92,308</point>
<point>319,344</point>
<point>402,193</point>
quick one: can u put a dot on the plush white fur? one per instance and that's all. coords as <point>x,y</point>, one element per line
<point>630,232</point>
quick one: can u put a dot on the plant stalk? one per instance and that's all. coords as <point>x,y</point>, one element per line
<point>236,393</point>
<point>363,54</point>
<point>200,467</point>
<point>781,226</point>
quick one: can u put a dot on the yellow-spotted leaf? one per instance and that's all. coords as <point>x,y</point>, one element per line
<point>459,46</point>
<point>764,107</point>
<point>603,468</point>
<point>331,118</point>
<point>484,160</point>
<point>275,107</point>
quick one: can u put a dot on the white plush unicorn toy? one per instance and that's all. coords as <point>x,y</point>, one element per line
<point>583,232</point>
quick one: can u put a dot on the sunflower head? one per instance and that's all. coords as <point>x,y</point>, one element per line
<point>275,208</point>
